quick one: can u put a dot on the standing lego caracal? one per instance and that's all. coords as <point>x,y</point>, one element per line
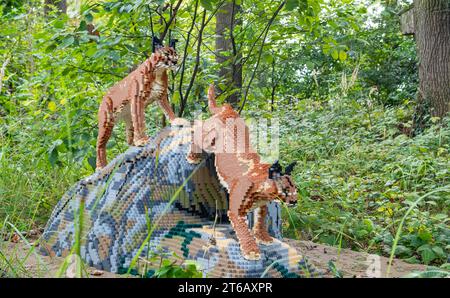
<point>127,99</point>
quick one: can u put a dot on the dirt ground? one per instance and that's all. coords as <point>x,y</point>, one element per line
<point>352,263</point>
<point>349,263</point>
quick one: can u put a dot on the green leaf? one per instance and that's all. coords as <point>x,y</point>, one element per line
<point>207,4</point>
<point>335,54</point>
<point>412,260</point>
<point>67,41</point>
<point>52,106</point>
<point>53,157</point>
<point>50,48</point>
<point>268,58</point>
<point>291,4</point>
<point>89,17</point>
<point>342,55</point>
<point>59,24</point>
<point>426,253</point>
<point>427,256</point>
<point>439,251</point>
<point>310,65</point>
<point>176,98</point>
<point>425,235</point>
<point>83,26</point>
<point>91,51</point>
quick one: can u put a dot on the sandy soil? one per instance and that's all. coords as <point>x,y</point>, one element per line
<point>352,263</point>
<point>36,265</point>
<point>349,263</point>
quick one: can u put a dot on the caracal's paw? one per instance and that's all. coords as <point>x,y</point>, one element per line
<point>180,122</point>
<point>265,241</point>
<point>194,158</point>
<point>262,237</point>
<point>251,255</point>
<point>142,141</point>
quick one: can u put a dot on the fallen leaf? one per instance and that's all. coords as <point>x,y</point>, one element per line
<point>97,272</point>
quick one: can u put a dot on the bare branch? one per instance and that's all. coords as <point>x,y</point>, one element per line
<point>172,17</point>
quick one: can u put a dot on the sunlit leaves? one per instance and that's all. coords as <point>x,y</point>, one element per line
<point>342,55</point>
<point>52,106</point>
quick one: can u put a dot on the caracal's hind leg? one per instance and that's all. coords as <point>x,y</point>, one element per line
<point>249,247</point>
<point>138,116</point>
<point>129,131</point>
<point>105,127</point>
<point>260,229</point>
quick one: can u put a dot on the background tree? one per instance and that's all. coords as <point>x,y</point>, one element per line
<point>432,33</point>
<point>227,51</point>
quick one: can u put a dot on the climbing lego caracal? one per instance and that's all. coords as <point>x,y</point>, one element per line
<point>250,183</point>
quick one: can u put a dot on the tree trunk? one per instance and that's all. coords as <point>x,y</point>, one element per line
<point>432,32</point>
<point>230,71</point>
<point>60,4</point>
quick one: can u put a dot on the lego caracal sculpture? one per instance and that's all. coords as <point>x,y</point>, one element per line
<point>118,202</point>
<point>249,182</point>
<point>127,99</point>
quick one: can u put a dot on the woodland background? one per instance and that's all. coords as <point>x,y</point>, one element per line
<point>339,75</point>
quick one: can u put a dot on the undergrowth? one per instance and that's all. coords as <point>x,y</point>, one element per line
<point>358,174</point>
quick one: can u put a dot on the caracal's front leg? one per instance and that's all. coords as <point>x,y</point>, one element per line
<point>105,127</point>
<point>138,116</point>
<point>168,112</point>
<point>249,247</point>
<point>260,229</point>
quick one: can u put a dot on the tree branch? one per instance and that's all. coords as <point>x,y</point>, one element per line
<point>260,53</point>
<point>172,17</point>
<point>197,60</point>
<point>183,64</point>
<point>96,72</point>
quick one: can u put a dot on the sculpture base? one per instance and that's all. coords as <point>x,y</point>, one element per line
<point>153,189</point>
<point>216,253</point>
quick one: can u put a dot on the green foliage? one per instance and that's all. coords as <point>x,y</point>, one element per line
<point>338,72</point>
<point>170,269</point>
<point>358,173</point>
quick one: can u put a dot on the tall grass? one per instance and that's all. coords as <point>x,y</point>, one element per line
<point>400,226</point>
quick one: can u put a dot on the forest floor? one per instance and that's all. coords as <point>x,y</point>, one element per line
<point>350,264</point>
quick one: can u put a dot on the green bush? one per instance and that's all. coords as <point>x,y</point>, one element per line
<point>358,174</point>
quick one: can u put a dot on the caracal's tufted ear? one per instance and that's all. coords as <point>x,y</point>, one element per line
<point>212,105</point>
<point>290,168</point>
<point>156,44</point>
<point>172,43</point>
<point>275,170</point>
